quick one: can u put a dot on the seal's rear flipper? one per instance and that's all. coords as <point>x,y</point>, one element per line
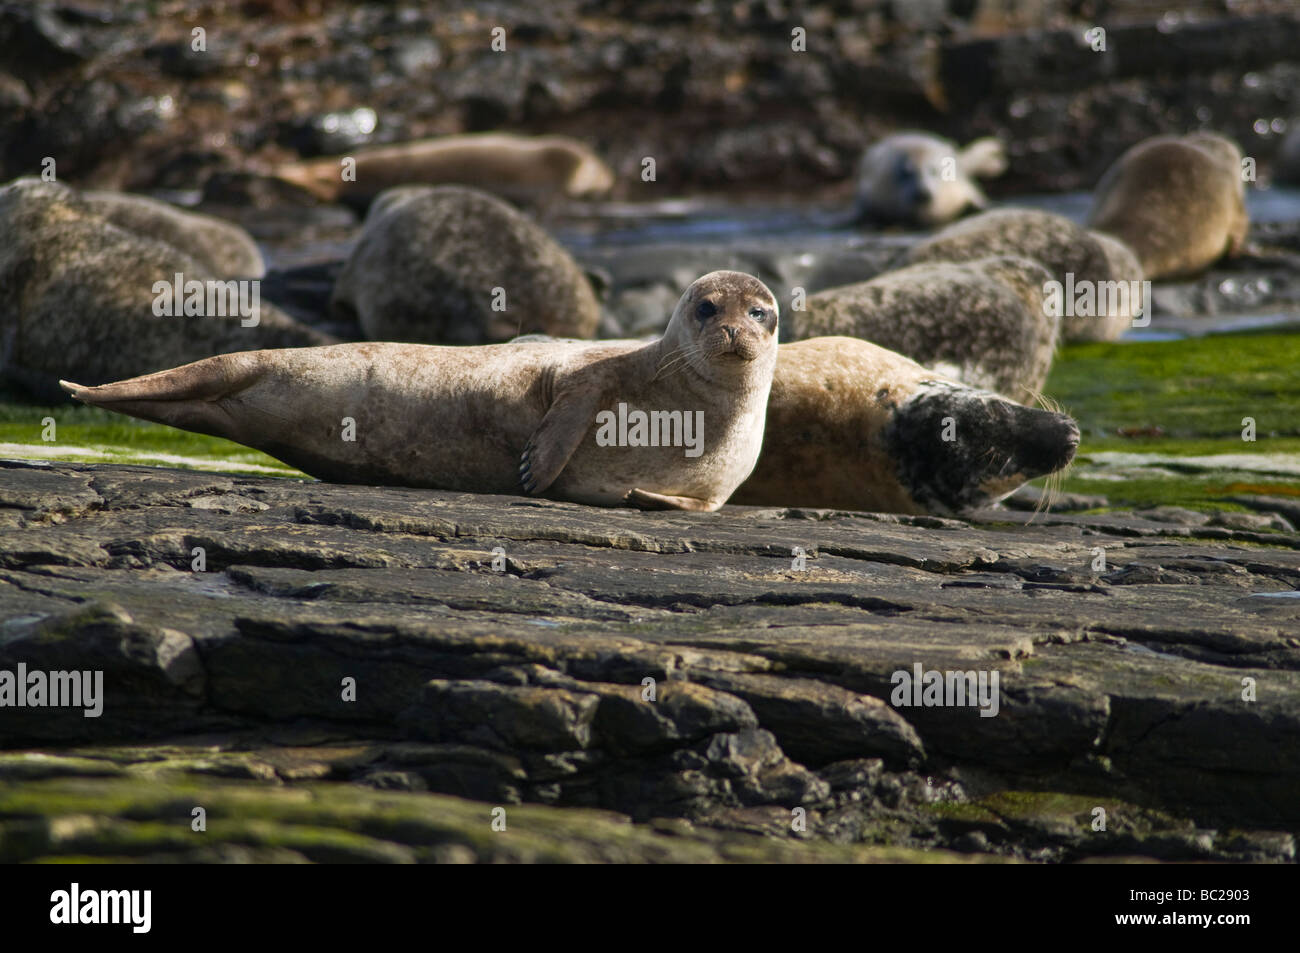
<point>984,158</point>
<point>188,397</point>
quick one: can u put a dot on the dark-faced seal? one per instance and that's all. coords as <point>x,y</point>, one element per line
<point>521,167</point>
<point>1178,201</point>
<point>853,426</point>
<point>981,322</point>
<point>919,179</point>
<point>673,424</point>
<point>451,265</point>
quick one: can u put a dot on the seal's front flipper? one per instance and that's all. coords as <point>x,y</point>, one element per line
<point>645,500</point>
<point>572,413</point>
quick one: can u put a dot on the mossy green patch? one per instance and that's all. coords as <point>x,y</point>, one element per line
<point>1196,391</point>
<point>123,439</point>
<point>1180,399</point>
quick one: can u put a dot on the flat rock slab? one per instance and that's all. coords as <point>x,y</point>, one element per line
<point>737,673</point>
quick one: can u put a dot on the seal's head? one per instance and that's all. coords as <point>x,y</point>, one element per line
<point>958,448</point>
<point>919,179</point>
<point>725,319</point>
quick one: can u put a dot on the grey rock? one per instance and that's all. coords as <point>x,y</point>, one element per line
<point>773,688</point>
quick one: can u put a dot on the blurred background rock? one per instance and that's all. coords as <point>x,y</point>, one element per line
<point>712,90</point>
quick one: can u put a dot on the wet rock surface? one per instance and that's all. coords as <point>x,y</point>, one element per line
<point>364,673</point>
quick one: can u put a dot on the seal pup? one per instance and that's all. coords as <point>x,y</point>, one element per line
<point>1178,201</point>
<point>914,178</point>
<point>499,418</point>
<point>854,426</point>
<point>981,322</point>
<point>451,265</point>
<point>524,167</point>
<point>1072,254</point>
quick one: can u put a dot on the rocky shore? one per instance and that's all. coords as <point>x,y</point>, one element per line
<point>716,92</point>
<point>337,673</point>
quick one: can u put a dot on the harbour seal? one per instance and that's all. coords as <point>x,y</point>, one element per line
<point>854,426</point>
<point>82,296</point>
<point>227,250</point>
<point>981,322</point>
<point>520,167</point>
<point>548,419</point>
<point>1178,201</point>
<point>915,178</point>
<point>1072,254</point>
<point>451,265</point>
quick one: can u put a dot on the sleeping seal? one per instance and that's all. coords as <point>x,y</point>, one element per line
<point>853,426</point>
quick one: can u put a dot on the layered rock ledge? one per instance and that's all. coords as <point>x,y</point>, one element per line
<point>368,673</point>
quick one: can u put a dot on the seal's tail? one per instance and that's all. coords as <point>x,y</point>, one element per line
<point>189,397</point>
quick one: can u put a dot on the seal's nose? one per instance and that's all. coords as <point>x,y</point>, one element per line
<point>731,333</point>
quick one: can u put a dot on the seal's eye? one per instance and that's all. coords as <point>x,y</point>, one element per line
<point>706,309</point>
<point>758,314</point>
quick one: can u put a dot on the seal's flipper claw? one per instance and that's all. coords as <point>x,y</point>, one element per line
<point>571,414</point>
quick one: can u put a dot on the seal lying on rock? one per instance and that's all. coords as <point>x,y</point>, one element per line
<point>1075,257</point>
<point>516,166</point>
<point>918,179</point>
<point>981,322</point>
<point>82,295</point>
<point>673,424</point>
<point>853,426</point>
<point>1178,201</point>
<point>227,250</point>
<point>452,265</point>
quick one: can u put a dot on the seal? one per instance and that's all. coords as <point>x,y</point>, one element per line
<point>854,426</point>
<point>451,265</point>
<point>674,424</point>
<point>981,322</point>
<point>1178,201</point>
<point>227,250</point>
<point>87,297</point>
<point>520,167</point>
<point>1075,257</point>
<point>914,178</point>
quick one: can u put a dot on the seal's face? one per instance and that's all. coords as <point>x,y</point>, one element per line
<point>727,318</point>
<point>916,180</point>
<point>958,448</point>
